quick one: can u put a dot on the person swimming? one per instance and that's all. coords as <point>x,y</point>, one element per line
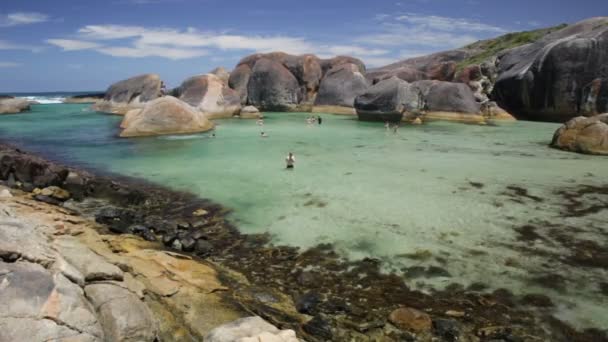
<point>263,135</point>
<point>290,161</point>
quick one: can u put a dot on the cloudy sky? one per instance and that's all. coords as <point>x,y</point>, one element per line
<point>86,45</point>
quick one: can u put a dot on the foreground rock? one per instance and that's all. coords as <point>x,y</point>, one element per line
<point>583,135</point>
<point>281,82</point>
<point>166,115</point>
<point>211,95</point>
<point>250,329</point>
<point>129,94</point>
<point>13,106</point>
<point>59,280</point>
<point>561,76</point>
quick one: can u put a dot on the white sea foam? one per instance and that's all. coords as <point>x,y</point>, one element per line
<point>45,99</point>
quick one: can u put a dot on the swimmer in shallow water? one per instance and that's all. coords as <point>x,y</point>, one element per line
<point>290,161</point>
<point>263,135</point>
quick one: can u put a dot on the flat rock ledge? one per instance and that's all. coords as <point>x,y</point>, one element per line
<point>61,279</point>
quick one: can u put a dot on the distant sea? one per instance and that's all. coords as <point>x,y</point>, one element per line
<point>51,97</point>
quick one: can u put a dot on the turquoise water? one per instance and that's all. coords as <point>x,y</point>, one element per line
<point>368,191</point>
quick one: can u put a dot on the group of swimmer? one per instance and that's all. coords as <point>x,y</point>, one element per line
<point>395,127</point>
<point>311,120</point>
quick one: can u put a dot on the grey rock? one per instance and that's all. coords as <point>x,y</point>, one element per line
<point>122,315</point>
<point>131,93</point>
<point>33,297</point>
<point>91,265</point>
<point>211,95</point>
<point>447,97</point>
<point>142,88</point>
<point>341,85</point>
<point>272,87</point>
<point>239,79</point>
<point>561,76</point>
<point>21,239</point>
<point>388,100</point>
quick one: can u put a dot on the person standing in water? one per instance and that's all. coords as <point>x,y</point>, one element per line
<point>319,120</point>
<point>290,161</point>
<point>387,125</point>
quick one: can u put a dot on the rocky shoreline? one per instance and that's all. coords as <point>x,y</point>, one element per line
<point>315,293</point>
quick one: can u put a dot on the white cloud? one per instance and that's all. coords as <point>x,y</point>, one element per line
<point>382,45</point>
<point>22,18</point>
<point>9,65</point>
<point>448,24</point>
<point>72,44</point>
<point>6,45</point>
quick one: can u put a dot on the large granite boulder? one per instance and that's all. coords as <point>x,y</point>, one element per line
<point>239,79</point>
<point>341,85</point>
<point>583,135</point>
<point>387,100</point>
<point>447,97</point>
<point>250,329</point>
<point>330,63</point>
<point>394,99</point>
<point>132,93</point>
<point>281,82</point>
<point>211,95</point>
<point>272,87</point>
<point>561,76</point>
<point>166,115</point>
<point>13,106</point>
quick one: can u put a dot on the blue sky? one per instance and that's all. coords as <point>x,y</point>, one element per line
<point>86,45</point>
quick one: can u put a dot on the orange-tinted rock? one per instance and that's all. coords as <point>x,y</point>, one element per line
<point>411,320</point>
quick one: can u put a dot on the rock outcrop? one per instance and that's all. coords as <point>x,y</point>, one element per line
<point>281,82</point>
<point>394,99</point>
<point>387,100</point>
<point>129,94</point>
<point>211,95</point>
<point>583,135</point>
<point>13,105</point>
<point>561,76</point>
<point>272,87</point>
<point>42,296</point>
<point>341,85</point>
<point>165,115</point>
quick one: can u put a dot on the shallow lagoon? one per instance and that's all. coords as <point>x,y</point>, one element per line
<point>433,195</point>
